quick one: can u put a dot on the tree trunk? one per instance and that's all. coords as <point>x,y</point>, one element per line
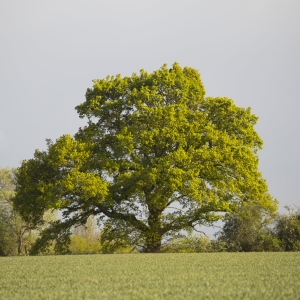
<point>153,243</point>
<point>154,236</point>
<point>20,244</point>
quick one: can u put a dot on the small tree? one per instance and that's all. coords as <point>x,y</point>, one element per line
<point>249,229</point>
<point>152,142</point>
<point>15,234</point>
<point>287,229</point>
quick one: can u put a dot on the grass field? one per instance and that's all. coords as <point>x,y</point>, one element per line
<point>152,276</point>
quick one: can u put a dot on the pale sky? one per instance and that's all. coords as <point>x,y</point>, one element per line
<point>246,50</point>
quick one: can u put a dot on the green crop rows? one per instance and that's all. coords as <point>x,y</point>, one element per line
<point>152,276</point>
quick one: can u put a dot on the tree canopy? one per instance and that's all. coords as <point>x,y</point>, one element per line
<point>156,157</point>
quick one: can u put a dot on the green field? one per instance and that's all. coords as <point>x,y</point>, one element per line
<point>152,276</point>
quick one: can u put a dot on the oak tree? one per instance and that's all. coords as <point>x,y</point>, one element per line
<point>156,158</point>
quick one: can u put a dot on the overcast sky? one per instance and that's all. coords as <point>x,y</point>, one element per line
<point>246,50</point>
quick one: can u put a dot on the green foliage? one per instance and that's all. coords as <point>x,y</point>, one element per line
<point>7,229</point>
<point>167,276</point>
<point>7,184</point>
<point>153,142</point>
<point>80,245</point>
<point>188,244</point>
<point>85,238</point>
<point>15,234</point>
<point>254,229</point>
<point>250,229</point>
<point>287,229</point>
<point>7,234</point>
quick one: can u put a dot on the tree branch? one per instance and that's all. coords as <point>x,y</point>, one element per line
<point>130,218</point>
